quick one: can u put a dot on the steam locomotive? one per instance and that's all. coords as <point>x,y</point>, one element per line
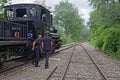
<point>20,20</point>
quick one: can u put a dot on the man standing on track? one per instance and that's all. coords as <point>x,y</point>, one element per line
<point>37,49</point>
<point>46,45</point>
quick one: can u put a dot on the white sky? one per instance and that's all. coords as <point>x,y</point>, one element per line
<point>82,5</point>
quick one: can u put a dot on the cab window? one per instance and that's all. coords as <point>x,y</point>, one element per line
<point>21,12</point>
<point>9,14</point>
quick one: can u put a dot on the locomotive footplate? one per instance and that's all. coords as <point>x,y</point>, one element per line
<point>7,44</point>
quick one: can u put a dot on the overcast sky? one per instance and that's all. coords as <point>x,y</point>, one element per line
<point>82,5</point>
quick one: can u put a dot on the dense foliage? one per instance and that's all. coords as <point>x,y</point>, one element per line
<point>41,2</point>
<point>105,26</point>
<point>68,20</point>
<point>2,4</point>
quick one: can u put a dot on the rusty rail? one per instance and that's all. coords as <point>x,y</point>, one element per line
<point>67,67</point>
<point>96,65</point>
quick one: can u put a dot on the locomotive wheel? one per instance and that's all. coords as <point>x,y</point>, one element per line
<point>30,55</point>
<point>2,61</point>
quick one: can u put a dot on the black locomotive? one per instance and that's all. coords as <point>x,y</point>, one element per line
<point>20,20</point>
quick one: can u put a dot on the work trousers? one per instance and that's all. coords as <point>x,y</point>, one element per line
<point>36,56</point>
<point>47,54</point>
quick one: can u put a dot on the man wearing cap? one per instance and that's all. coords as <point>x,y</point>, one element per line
<point>46,45</point>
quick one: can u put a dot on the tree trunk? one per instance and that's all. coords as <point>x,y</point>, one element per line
<point>119,1</point>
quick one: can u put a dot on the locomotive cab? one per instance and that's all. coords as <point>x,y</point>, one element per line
<point>36,17</point>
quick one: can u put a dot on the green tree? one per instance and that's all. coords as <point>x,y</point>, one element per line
<point>2,4</point>
<point>95,20</point>
<point>41,2</point>
<point>68,19</point>
<point>109,8</point>
<point>105,26</point>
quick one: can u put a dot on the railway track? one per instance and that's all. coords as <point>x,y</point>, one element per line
<point>104,77</point>
<point>17,60</point>
<point>74,62</point>
<point>20,62</point>
<point>66,67</point>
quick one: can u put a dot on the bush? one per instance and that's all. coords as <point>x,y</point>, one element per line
<point>107,39</point>
<point>97,39</point>
<point>111,39</point>
<point>64,40</point>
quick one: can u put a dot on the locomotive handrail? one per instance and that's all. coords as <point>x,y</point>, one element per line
<point>13,23</point>
<point>11,30</point>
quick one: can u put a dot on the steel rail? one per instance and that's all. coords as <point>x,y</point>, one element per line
<point>96,65</point>
<point>63,76</point>
<point>67,67</point>
<point>49,76</point>
<point>8,60</point>
<point>64,48</point>
<point>5,70</point>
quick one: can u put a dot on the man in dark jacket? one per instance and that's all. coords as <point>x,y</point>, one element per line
<point>47,44</point>
<point>37,49</point>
